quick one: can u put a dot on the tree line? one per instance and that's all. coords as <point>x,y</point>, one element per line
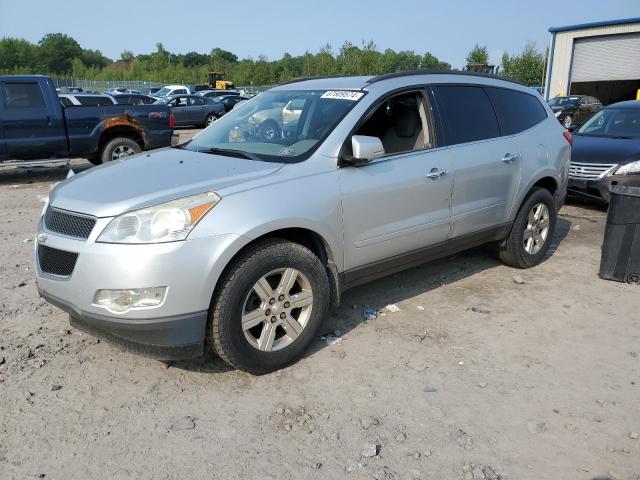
<point>59,55</point>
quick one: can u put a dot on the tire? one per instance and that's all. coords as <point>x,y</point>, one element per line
<point>269,130</point>
<point>527,243</point>
<point>250,348</point>
<point>567,121</point>
<point>119,147</point>
<point>212,117</point>
<point>95,159</point>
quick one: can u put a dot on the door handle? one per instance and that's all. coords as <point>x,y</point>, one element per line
<point>509,158</point>
<point>435,173</point>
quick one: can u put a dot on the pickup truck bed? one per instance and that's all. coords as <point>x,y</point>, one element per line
<point>35,125</point>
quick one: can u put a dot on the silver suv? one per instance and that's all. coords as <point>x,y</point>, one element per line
<point>243,242</point>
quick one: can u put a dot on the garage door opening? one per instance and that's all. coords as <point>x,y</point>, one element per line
<point>606,67</point>
<point>608,92</point>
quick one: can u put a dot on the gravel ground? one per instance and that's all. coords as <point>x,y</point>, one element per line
<point>471,370</point>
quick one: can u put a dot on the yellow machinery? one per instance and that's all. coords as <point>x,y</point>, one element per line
<point>217,81</point>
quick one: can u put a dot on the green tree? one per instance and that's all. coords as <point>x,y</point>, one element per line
<point>57,52</point>
<point>17,55</point>
<point>94,59</point>
<point>127,56</point>
<point>478,55</point>
<point>526,67</point>
<point>431,62</point>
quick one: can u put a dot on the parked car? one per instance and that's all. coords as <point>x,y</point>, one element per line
<point>133,99</point>
<point>197,88</point>
<point>35,125</point>
<point>120,90</point>
<point>280,120</point>
<point>217,93</point>
<point>94,99</point>
<point>574,109</point>
<point>229,101</point>
<point>192,109</point>
<point>171,90</point>
<point>245,243</point>
<point>149,90</point>
<point>606,151</point>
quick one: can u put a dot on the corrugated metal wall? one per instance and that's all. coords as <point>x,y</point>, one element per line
<point>563,53</point>
<point>614,57</point>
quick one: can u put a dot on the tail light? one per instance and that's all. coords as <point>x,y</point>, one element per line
<point>172,121</point>
<point>568,136</point>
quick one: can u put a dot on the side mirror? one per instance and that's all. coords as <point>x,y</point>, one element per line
<point>573,127</point>
<point>364,150</point>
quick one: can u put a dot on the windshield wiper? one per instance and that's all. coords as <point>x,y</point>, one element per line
<point>228,152</point>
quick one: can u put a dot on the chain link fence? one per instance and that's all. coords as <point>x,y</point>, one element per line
<point>102,85</point>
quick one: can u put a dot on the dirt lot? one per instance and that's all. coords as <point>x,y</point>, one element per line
<point>480,372</point>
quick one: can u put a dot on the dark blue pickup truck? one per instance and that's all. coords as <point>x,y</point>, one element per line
<point>35,125</point>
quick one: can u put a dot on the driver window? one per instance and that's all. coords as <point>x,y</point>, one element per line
<point>400,123</point>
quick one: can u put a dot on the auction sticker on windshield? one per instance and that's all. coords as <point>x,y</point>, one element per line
<point>342,95</point>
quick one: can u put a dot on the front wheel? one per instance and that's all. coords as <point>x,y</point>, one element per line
<point>268,306</point>
<point>530,237</point>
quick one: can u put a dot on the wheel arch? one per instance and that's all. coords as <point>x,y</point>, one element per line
<point>547,179</point>
<point>305,236</point>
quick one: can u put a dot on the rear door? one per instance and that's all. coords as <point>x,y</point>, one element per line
<point>486,167</point>
<point>197,109</point>
<point>32,122</point>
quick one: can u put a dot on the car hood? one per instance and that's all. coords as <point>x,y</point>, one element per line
<point>152,178</point>
<point>604,150</point>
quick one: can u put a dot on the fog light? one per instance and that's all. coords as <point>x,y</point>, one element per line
<point>120,301</point>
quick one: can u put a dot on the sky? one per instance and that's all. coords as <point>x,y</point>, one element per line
<point>446,28</point>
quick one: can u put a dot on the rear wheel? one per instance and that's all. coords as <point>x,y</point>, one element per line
<point>118,148</point>
<point>210,119</point>
<point>530,237</point>
<point>268,307</point>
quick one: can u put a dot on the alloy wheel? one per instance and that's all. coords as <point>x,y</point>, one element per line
<point>537,230</point>
<point>277,309</point>
<point>122,151</point>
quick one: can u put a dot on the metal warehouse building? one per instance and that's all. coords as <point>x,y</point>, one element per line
<point>600,59</point>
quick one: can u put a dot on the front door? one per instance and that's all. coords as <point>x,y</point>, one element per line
<point>398,203</point>
<point>180,110</point>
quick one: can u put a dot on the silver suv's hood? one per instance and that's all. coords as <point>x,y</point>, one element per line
<point>152,178</point>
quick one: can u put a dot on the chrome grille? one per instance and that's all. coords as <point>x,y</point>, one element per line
<point>56,262</point>
<point>589,171</point>
<point>68,223</point>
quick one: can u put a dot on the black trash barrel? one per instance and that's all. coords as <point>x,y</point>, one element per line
<point>621,248</point>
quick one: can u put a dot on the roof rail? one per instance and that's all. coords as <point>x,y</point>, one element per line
<point>319,77</point>
<point>387,76</point>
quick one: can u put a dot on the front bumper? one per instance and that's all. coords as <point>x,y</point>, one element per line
<point>598,189</point>
<point>173,330</point>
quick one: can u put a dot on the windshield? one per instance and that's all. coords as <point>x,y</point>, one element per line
<point>163,91</point>
<point>267,128</point>
<point>613,122</point>
<point>162,101</point>
<point>563,101</point>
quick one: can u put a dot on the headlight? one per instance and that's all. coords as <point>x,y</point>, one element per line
<point>558,113</point>
<point>166,222</point>
<point>629,168</point>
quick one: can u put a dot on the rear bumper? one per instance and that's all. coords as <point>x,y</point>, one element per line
<point>598,189</point>
<point>177,337</point>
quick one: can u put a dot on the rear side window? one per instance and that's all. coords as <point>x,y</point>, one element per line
<point>95,101</point>
<point>22,95</point>
<point>467,114</point>
<point>516,111</point>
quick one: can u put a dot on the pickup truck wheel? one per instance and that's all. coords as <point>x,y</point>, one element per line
<point>210,119</point>
<point>119,147</point>
<point>268,306</point>
<point>269,130</point>
<point>530,237</point>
